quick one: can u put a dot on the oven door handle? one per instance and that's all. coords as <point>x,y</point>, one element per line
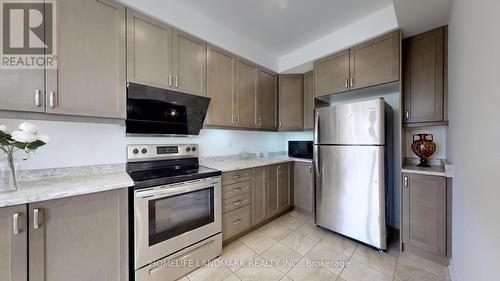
<point>175,189</point>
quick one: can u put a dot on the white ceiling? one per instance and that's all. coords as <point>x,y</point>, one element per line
<point>282,26</point>
<point>415,17</point>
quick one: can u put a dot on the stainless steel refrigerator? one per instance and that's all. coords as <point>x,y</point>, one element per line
<point>350,170</point>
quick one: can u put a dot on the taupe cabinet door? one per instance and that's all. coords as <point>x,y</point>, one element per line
<point>331,74</point>
<point>90,79</point>
<point>189,64</point>
<point>285,186</point>
<point>267,97</point>
<point>424,213</point>
<point>375,62</point>
<point>22,90</point>
<point>13,243</point>
<point>423,77</point>
<point>246,94</point>
<point>221,76</point>
<point>259,196</point>
<point>309,100</point>
<point>272,192</point>
<point>291,98</point>
<point>303,186</point>
<point>149,51</point>
<point>79,238</point>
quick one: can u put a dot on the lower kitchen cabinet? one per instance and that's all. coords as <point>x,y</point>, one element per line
<point>303,186</point>
<point>250,197</point>
<point>13,243</point>
<point>285,186</point>
<point>77,238</point>
<point>424,221</point>
<point>259,196</point>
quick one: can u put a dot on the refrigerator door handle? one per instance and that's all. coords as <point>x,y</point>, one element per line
<point>316,128</point>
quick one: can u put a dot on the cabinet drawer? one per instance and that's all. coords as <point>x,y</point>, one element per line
<point>236,202</point>
<point>236,176</point>
<point>236,221</point>
<point>231,190</point>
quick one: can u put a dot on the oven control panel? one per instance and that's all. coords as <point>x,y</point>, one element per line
<point>142,152</point>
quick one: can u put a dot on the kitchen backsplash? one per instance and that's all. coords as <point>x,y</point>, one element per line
<point>80,144</point>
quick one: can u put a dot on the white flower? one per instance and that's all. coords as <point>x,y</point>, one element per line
<point>24,137</point>
<point>43,138</point>
<point>4,129</point>
<point>28,128</point>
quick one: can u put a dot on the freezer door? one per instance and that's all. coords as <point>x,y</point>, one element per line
<point>353,123</point>
<point>350,192</point>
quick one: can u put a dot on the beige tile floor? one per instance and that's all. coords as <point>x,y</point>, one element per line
<point>292,248</point>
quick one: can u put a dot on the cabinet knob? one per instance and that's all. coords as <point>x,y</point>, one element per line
<point>51,99</point>
<point>37,98</point>
<point>15,223</point>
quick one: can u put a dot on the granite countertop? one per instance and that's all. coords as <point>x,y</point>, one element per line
<point>42,185</point>
<point>240,162</point>
<point>442,169</point>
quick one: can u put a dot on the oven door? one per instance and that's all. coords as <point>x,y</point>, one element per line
<point>171,217</point>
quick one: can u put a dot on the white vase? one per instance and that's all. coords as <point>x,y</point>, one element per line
<point>9,173</point>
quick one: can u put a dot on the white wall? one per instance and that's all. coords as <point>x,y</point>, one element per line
<point>473,137</point>
<point>80,144</point>
<point>439,134</point>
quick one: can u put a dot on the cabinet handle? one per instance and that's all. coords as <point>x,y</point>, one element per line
<point>238,221</point>
<point>236,176</point>
<point>406,182</point>
<point>310,169</point>
<point>170,80</point>
<point>37,98</point>
<point>237,119</point>
<point>51,99</point>
<point>15,223</point>
<point>281,124</point>
<point>36,218</point>
<point>176,81</point>
<point>347,83</point>
<point>232,119</point>
<point>236,190</point>
<point>236,203</point>
<point>352,82</point>
<point>407,114</point>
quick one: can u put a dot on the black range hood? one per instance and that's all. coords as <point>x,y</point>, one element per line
<point>156,111</point>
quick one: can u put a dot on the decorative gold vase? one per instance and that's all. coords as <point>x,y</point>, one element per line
<point>423,147</point>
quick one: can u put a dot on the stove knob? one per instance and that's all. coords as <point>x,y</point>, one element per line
<point>188,149</point>
<point>144,151</point>
<point>193,148</point>
<point>135,151</point>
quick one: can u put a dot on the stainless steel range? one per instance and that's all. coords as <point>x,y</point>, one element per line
<point>177,211</point>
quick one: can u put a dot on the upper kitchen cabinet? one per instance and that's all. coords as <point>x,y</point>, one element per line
<point>375,62</point>
<point>22,90</point>
<point>246,94</point>
<point>221,84</point>
<point>331,74</point>
<point>90,75</point>
<point>291,98</point>
<point>161,56</point>
<point>189,64</point>
<point>149,51</point>
<point>267,99</point>
<point>371,63</point>
<point>425,78</point>
<point>309,100</point>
